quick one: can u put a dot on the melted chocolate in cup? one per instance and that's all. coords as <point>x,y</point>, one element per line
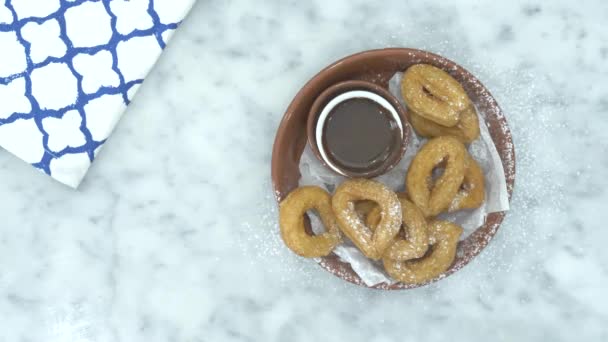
<point>358,132</point>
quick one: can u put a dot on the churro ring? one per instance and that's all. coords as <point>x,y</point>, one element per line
<point>443,237</point>
<point>433,94</point>
<point>466,130</point>
<point>472,191</point>
<point>372,244</point>
<point>292,210</point>
<point>415,241</point>
<point>433,199</point>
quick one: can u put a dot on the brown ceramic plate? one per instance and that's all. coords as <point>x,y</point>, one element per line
<point>378,66</point>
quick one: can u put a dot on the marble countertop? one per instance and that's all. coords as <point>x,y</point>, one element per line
<point>173,234</point>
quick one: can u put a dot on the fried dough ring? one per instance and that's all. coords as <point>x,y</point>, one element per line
<point>291,217</point>
<point>372,244</point>
<point>433,199</point>
<point>466,130</point>
<point>416,241</point>
<point>433,94</point>
<point>443,237</point>
<point>472,191</point>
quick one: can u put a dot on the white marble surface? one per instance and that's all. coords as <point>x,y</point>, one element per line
<point>173,236</point>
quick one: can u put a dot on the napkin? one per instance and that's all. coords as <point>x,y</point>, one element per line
<point>69,68</point>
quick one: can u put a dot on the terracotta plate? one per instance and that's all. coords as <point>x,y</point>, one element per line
<point>379,66</point>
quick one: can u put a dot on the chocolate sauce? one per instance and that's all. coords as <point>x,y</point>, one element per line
<point>360,134</point>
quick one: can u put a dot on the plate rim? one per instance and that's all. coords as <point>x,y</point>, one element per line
<point>510,174</point>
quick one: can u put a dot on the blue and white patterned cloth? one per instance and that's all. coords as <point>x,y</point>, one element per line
<point>68,69</point>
